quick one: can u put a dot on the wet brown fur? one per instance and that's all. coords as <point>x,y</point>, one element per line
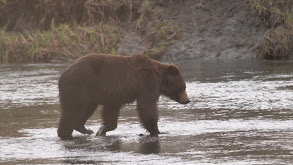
<point>112,81</point>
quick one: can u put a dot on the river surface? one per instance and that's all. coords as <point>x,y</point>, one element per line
<point>241,112</point>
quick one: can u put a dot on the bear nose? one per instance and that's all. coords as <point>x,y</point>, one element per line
<point>185,102</point>
<point>184,98</point>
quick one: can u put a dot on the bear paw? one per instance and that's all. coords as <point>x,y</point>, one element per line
<point>84,130</point>
<point>89,131</point>
<point>66,137</point>
<point>102,132</point>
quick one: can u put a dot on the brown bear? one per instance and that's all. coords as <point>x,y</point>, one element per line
<point>113,81</point>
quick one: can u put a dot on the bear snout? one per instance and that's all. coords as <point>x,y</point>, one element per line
<point>184,98</point>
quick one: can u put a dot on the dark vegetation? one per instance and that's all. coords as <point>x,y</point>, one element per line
<point>62,31</point>
<point>277,15</point>
<point>54,31</point>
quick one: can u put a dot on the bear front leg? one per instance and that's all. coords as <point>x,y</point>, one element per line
<point>148,115</point>
<point>110,115</point>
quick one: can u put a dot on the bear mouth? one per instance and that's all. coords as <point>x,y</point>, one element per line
<point>184,102</point>
<point>183,98</point>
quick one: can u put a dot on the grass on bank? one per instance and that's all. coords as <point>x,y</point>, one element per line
<point>278,16</point>
<point>60,41</point>
<point>60,30</point>
<point>164,32</point>
<point>48,31</point>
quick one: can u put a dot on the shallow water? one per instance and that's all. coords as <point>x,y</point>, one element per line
<point>241,113</point>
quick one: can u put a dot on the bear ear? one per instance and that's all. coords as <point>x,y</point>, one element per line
<point>173,70</point>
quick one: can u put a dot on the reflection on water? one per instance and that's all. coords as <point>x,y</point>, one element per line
<point>241,113</point>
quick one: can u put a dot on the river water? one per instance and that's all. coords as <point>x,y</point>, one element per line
<point>240,113</point>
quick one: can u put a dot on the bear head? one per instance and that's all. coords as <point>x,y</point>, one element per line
<point>174,85</point>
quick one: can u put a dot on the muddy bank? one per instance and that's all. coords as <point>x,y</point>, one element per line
<point>165,30</point>
<point>216,29</point>
<point>226,29</point>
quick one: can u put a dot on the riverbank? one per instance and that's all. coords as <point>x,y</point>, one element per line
<point>53,31</point>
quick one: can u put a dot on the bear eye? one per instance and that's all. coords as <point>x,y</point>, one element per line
<point>182,89</point>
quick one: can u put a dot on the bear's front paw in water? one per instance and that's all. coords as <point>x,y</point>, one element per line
<point>155,133</point>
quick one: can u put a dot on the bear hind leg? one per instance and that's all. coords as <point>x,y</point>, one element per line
<point>74,102</point>
<point>71,119</point>
<point>64,130</point>
<point>110,115</point>
<point>88,113</point>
